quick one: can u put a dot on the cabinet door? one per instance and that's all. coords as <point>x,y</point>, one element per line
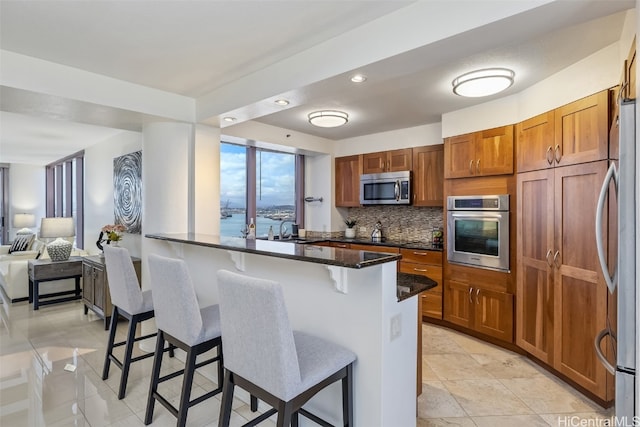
<point>348,170</point>
<point>535,142</point>
<point>457,303</point>
<point>87,284</point>
<point>494,151</point>
<point>535,249</point>
<point>99,289</point>
<point>374,162</point>
<point>582,129</point>
<point>459,156</point>
<point>399,160</point>
<point>580,293</point>
<point>428,175</point>
<point>493,313</point>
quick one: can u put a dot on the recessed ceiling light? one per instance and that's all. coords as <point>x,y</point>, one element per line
<point>281,102</point>
<point>483,82</point>
<point>229,119</point>
<point>358,78</point>
<point>328,118</point>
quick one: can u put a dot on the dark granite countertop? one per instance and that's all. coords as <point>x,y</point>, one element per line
<point>410,285</point>
<point>411,244</point>
<point>290,249</point>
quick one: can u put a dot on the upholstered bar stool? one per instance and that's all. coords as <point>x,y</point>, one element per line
<point>265,357</point>
<point>184,324</point>
<point>129,302</point>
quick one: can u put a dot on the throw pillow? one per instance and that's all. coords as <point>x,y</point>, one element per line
<point>22,243</point>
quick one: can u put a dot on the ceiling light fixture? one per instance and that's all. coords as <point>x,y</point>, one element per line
<point>229,119</point>
<point>282,102</point>
<point>358,78</point>
<point>328,118</point>
<point>485,82</point>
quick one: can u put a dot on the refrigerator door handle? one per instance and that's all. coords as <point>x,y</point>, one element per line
<point>608,366</point>
<point>611,280</point>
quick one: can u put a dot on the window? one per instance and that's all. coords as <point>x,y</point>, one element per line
<point>65,181</point>
<point>261,184</point>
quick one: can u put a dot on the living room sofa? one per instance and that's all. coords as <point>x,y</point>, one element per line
<point>14,277</point>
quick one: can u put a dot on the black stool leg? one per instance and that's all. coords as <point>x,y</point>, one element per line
<point>347,397</point>
<point>189,369</point>
<point>227,400</point>
<point>254,403</point>
<point>155,375</point>
<point>294,419</point>
<point>126,363</point>
<point>112,337</point>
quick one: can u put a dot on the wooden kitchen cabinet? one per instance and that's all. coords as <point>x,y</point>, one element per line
<point>387,161</point>
<point>582,130</point>
<point>429,264</point>
<point>95,293</point>
<point>535,141</point>
<point>629,84</point>
<point>428,175</point>
<point>374,248</point>
<point>562,297</point>
<point>347,180</point>
<point>484,153</point>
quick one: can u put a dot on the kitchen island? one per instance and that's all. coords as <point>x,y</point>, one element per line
<point>347,296</point>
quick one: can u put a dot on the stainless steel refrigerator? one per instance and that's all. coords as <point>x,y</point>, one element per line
<point>622,281</point>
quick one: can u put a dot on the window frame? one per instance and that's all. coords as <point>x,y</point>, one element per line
<point>60,192</point>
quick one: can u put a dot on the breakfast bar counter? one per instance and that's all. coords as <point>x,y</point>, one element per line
<point>353,298</point>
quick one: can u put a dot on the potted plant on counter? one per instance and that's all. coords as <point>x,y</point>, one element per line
<point>350,232</point>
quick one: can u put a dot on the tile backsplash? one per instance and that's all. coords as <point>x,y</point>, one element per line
<point>410,223</point>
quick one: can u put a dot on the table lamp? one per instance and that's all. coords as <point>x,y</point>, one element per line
<point>24,221</point>
<point>58,228</point>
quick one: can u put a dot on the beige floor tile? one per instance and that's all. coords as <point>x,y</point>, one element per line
<point>474,345</point>
<point>456,366</point>
<point>546,395</point>
<point>105,409</point>
<point>440,344</point>
<point>437,402</point>
<point>427,373</point>
<point>507,365</point>
<point>486,397</point>
<point>510,421</point>
<point>445,422</point>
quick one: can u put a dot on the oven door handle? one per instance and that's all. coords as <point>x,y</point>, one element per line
<point>476,215</point>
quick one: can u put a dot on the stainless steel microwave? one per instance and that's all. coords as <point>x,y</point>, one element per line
<point>388,188</point>
<point>478,231</point>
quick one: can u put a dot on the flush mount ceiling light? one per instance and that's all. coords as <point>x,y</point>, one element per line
<point>229,119</point>
<point>282,102</point>
<point>328,118</point>
<point>358,78</point>
<point>483,82</point>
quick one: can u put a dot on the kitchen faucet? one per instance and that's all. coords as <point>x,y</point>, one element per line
<point>283,234</point>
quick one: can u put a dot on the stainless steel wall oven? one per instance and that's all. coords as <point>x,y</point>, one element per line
<point>478,231</point>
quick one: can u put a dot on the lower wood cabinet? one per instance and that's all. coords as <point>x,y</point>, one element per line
<point>484,310</point>
<point>95,292</point>
<point>429,264</point>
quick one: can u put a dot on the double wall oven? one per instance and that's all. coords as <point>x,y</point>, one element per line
<point>478,231</point>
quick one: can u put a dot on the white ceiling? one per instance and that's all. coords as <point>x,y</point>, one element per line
<point>193,48</point>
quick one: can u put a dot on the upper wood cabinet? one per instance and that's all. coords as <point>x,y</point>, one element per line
<point>535,138</point>
<point>582,130</point>
<point>484,153</point>
<point>387,161</point>
<point>428,175</point>
<point>348,171</point>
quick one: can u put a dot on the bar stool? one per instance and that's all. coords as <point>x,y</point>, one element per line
<point>185,325</point>
<point>129,302</point>
<point>265,357</point>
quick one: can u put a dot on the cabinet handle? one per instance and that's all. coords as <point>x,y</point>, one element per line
<point>555,259</point>
<point>470,297</point>
<point>478,166</point>
<point>477,296</point>
<point>420,253</point>
<point>422,270</point>
<point>557,150</point>
<point>341,246</point>
<point>471,167</point>
<point>549,155</point>
<point>549,262</point>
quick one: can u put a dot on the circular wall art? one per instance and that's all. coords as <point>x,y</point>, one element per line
<point>127,191</point>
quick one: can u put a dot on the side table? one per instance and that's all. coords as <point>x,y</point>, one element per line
<point>45,270</point>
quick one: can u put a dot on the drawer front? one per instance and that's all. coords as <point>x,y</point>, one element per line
<point>56,269</point>
<point>431,305</point>
<point>374,248</point>
<point>422,256</point>
<point>431,271</point>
